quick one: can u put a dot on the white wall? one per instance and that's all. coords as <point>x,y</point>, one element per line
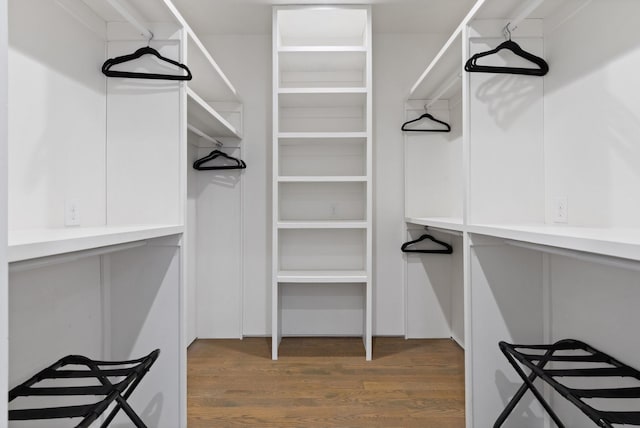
<point>246,60</point>
<point>191,239</point>
<point>57,147</point>
<point>591,115</point>
<point>397,61</point>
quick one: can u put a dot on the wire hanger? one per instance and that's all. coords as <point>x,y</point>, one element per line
<point>239,163</point>
<point>147,50</point>
<point>448,249</point>
<point>543,68</point>
<point>426,116</point>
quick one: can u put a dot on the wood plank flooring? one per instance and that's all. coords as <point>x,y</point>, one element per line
<point>325,382</point>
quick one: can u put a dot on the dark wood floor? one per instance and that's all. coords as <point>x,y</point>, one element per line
<point>326,382</point>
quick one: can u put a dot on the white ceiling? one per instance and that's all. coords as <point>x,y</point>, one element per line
<point>389,16</point>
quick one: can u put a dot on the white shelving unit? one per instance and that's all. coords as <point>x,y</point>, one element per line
<point>530,273</point>
<point>322,167</point>
<point>117,154</point>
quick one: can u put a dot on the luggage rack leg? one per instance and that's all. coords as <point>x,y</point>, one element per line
<point>528,384</point>
<point>114,393</point>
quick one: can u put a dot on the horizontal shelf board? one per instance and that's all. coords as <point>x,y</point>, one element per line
<point>150,10</point>
<point>507,9</point>
<point>321,179</point>
<point>449,223</point>
<point>322,97</point>
<point>355,48</point>
<point>322,61</point>
<point>321,135</point>
<point>36,243</point>
<point>323,224</point>
<point>322,276</point>
<point>208,79</point>
<point>205,118</point>
<point>615,242</point>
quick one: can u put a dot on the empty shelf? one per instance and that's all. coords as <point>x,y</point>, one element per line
<point>321,179</point>
<point>615,242</point>
<point>322,276</point>
<point>322,97</point>
<point>36,243</point>
<point>451,223</point>
<point>321,135</point>
<point>205,118</point>
<point>323,224</point>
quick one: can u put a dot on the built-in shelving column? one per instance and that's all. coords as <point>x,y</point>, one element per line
<point>322,159</point>
<point>4,294</point>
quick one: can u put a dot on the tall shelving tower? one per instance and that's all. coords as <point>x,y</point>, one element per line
<point>322,171</point>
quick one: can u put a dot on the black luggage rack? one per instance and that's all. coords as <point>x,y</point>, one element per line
<point>572,351</point>
<point>129,373</point>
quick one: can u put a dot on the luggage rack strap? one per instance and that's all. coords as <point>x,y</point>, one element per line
<point>117,391</point>
<point>537,362</point>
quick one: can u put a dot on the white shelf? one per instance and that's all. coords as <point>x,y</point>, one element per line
<point>321,135</point>
<point>287,49</point>
<point>208,79</point>
<point>623,243</point>
<point>205,118</point>
<point>449,223</point>
<point>322,276</point>
<point>323,224</point>
<point>146,10</point>
<point>321,179</point>
<point>36,243</point>
<point>322,97</point>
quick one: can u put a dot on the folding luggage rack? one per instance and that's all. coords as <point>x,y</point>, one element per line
<point>571,351</point>
<point>129,372</point>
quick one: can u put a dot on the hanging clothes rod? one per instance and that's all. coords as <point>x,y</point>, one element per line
<point>201,134</point>
<point>520,15</point>
<point>447,231</point>
<point>612,261</point>
<point>441,92</point>
<point>132,16</point>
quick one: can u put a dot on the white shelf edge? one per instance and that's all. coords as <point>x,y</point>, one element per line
<point>38,243</point>
<point>328,90</point>
<point>346,276</point>
<point>216,118</point>
<point>621,243</point>
<point>318,135</point>
<point>449,223</point>
<point>457,32</point>
<point>205,52</point>
<point>321,179</point>
<point>212,62</point>
<point>354,48</point>
<point>326,224</point>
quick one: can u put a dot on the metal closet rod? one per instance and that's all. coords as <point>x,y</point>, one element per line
<point>201,134</point>
<point>602,259</point>
<point>132,16</point>
<point>521,14</point>
<point>442,91</point>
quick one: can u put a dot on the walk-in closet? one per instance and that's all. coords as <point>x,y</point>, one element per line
<point>319,213</point>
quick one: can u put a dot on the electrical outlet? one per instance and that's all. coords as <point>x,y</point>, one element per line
<point>560,210</point>
<point>72,212</point>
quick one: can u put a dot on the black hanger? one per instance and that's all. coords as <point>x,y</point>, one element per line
<point>448,249</point>
<point>239,163</point>
<point>426,116</point>
<point>472,66</point>
<point>106,67</point>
